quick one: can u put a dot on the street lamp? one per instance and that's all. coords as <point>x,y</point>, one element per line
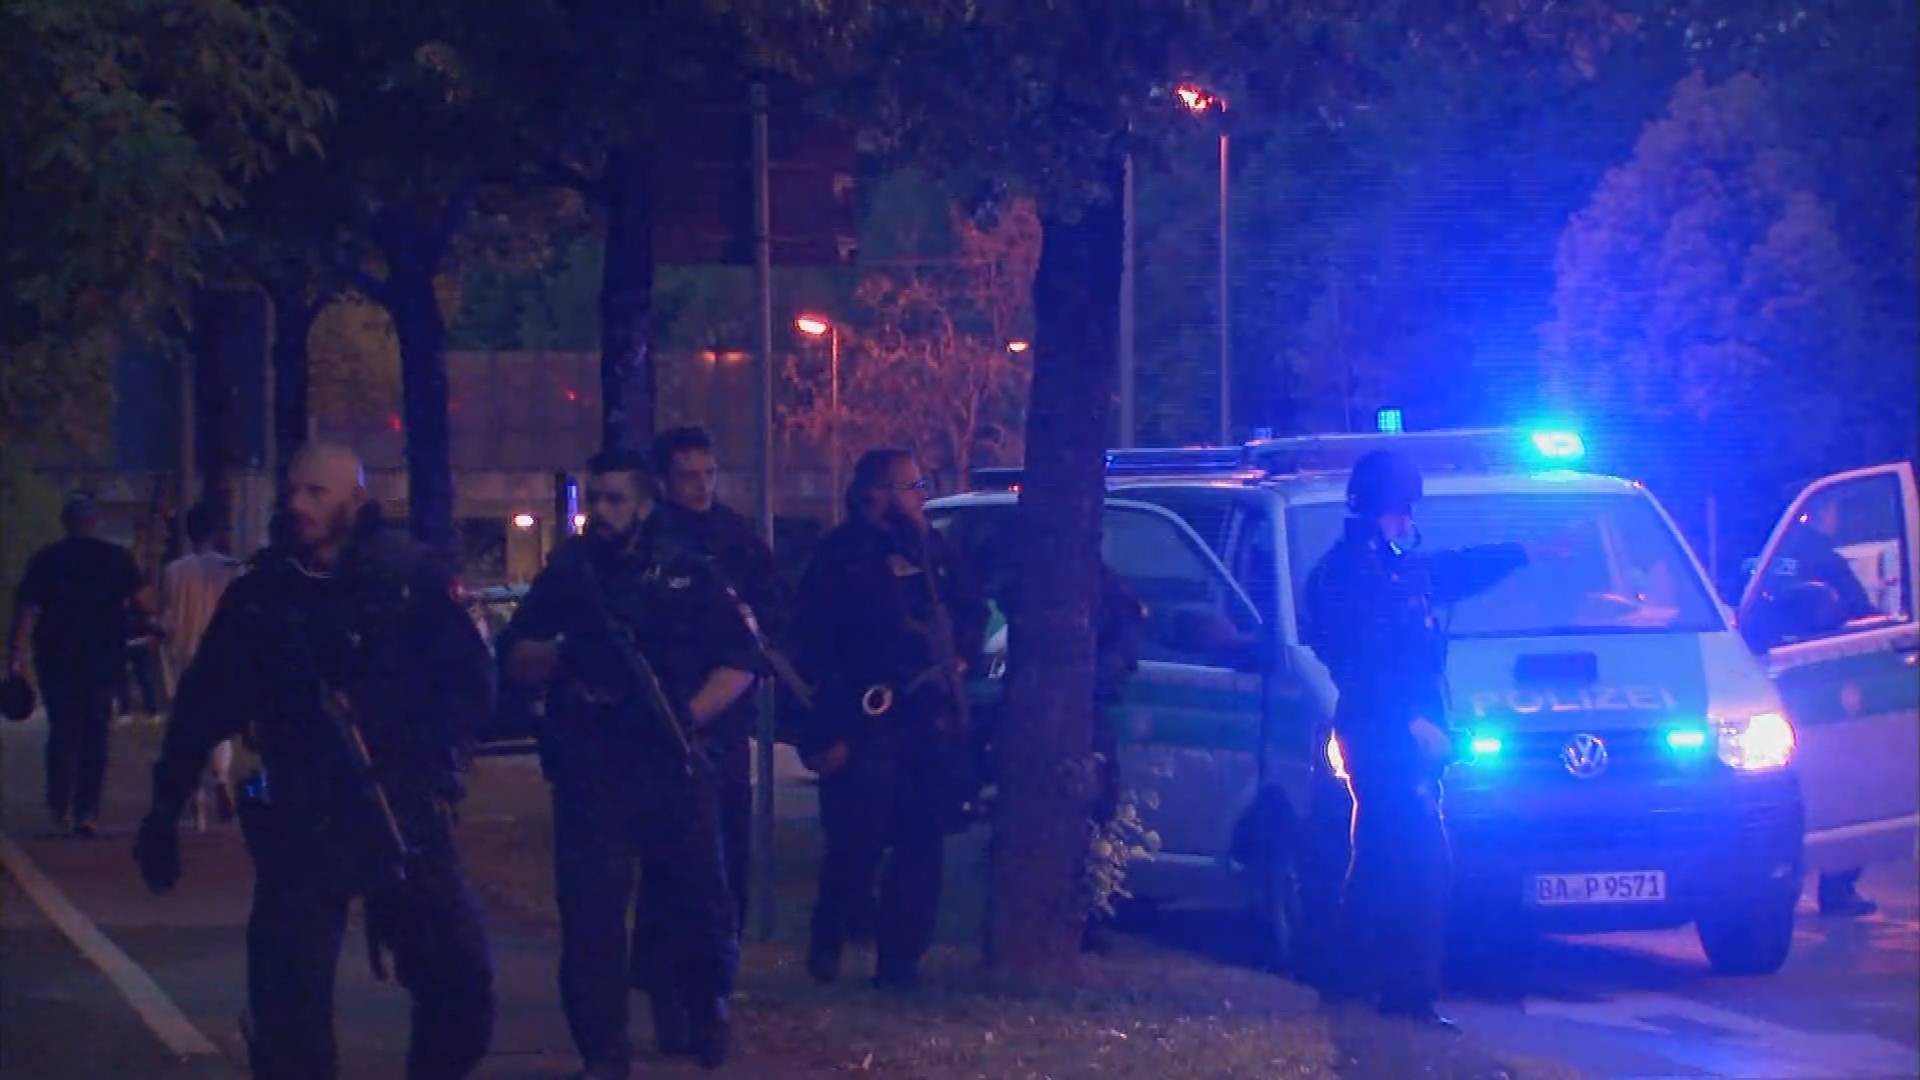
<point>816,326</point>
<point>1018,346</point>
<point>1199,101</point>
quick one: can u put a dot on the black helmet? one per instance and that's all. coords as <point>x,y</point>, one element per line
<point>16,698</point>
<point>1383,482</point>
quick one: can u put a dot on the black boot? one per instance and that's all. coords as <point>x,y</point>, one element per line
<point>672,1032</point>
<point>712,1027</point>
<point>1840,897</point>
<point>823,962</point>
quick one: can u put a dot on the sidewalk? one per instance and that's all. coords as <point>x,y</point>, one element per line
<point>1148,1011</point>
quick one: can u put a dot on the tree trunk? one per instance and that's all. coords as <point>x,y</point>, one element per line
<point>213,391</point>
<point>1047,782</point>
<point>626,301</point>
<point>422,334</point>
<point>293,318</point>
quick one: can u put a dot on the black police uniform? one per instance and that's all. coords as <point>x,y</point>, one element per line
<point>866,618</point>
<point>1370,610</point>
<point>744,563</point>
<point>383,630</point>
<point>623,790</point>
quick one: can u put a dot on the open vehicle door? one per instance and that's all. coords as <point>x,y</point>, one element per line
<point>1188,723</point>
<point>1830,609</point>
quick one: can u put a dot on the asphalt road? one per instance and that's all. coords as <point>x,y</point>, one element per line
<point>1846,1005</point>
<point>98,979</point>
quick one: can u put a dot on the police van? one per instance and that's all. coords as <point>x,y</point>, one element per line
<point>1628,759</point>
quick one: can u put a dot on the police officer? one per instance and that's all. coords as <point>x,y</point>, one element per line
<point>684,461</point>
<point>628,779</point>
<point>344,621</point>
<point>887,622</point>
<point>688,471</point>
<point>1370,606</point>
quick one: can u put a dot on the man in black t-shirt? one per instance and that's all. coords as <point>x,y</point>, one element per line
<point>72,606</point>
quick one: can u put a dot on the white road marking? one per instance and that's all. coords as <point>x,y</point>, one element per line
<point>158,1011</point>
<point>1749,1047</point>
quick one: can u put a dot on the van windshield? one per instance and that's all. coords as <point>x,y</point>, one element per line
<point>1626,571</point>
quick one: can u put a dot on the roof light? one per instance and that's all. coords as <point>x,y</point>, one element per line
<point>1559,445</point>
<point>1486,746</point>
<point>1389,421</point>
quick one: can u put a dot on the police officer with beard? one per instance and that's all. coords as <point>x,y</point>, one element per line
<point>342,617</point>
<point>887,621</point>
<point>1370,604</point>
<point>629,780</point>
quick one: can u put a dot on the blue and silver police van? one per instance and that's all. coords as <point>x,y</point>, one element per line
<point>1629,757</point>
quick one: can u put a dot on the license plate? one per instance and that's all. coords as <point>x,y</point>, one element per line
<point>1626,887</point>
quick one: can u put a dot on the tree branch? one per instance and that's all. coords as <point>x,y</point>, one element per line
<point>362,282</point>
<point>452,216</point>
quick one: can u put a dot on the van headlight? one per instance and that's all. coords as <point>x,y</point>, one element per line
<point>1761,741</point>
<point>1336,758</point>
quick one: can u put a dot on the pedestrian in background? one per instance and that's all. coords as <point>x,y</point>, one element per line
<point>72,608</point>
<point>190,591</point>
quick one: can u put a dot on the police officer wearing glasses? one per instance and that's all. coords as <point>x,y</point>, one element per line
<point>1370,604</point>
<point>887,622</point>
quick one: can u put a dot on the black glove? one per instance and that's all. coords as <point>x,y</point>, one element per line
<point>157,850</point>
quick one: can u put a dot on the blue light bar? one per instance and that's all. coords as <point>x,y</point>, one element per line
<point>1389,421</point>
<point>1559,445</point>
<point>1486,746</point>
<point>1686,739</point>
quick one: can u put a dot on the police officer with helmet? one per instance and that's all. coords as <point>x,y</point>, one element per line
<point>638,650</point>
<point>1370,605</point>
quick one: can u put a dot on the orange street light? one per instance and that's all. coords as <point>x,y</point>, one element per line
<point>816,326</point>
<point>1197,99</point>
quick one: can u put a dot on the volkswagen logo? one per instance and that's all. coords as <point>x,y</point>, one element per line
<point>1585,756</point>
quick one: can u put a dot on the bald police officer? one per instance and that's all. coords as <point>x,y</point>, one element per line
<point>344,617</point>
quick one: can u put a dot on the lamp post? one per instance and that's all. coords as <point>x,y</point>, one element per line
<point>816,326</point>
<point>1199,101</point>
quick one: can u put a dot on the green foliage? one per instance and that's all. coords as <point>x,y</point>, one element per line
<point>29,520</point>
<point>551,306</point>
<point>924,361</point>
<point>131,129</point>
<point>1705,282</point>
<point>1116,844</point>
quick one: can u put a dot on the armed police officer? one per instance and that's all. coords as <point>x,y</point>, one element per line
<point>640,650</point>
<point>688,470</point>
<point>888,622</point>
<point>1370,604</point>
<point>344,660</point>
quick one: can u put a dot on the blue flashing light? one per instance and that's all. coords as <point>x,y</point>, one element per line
<point>1485,746</point>
<point>1559,445</point>
<point>1389,421</point>
<point>1686,739</point>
